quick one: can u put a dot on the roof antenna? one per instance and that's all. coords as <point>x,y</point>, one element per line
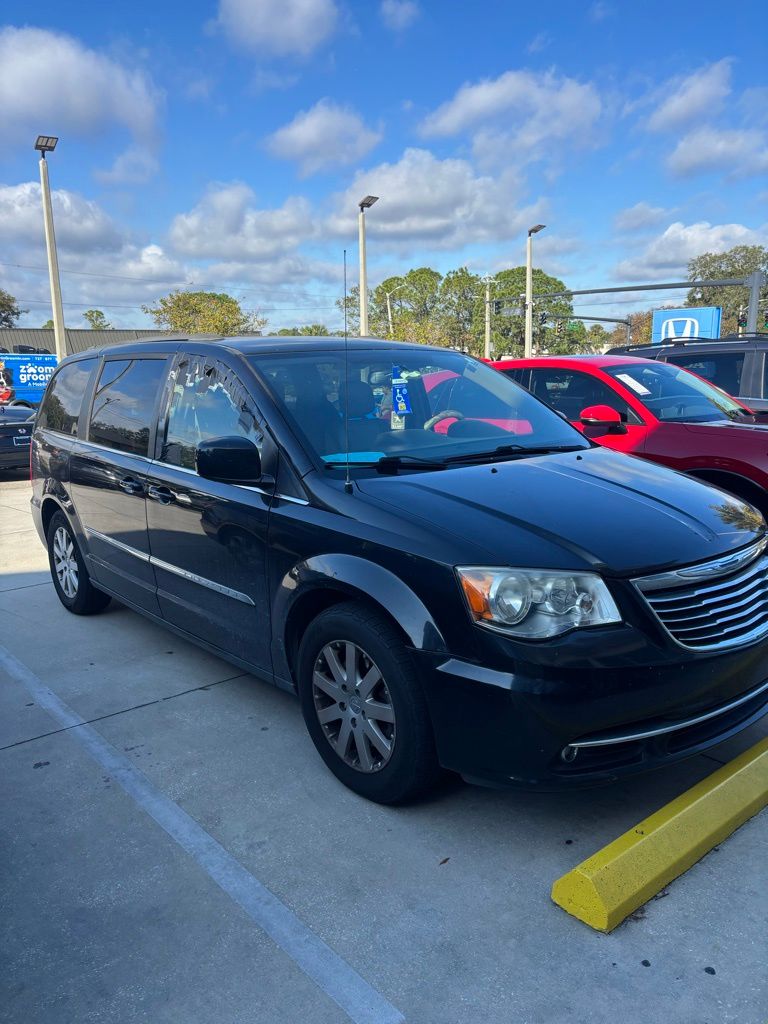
<point>347,480</point>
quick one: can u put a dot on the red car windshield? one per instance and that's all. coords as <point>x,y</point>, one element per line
<point>431,405</point>
<point>674,395</point>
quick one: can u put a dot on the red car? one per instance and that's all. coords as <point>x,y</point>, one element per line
<point>657,411</point>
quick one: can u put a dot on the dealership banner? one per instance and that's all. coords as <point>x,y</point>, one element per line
<point>694,322</point>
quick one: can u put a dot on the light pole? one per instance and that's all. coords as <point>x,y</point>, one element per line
<point>487,281</point>
<point>47,144</point>
<point>389,306</point>
<point>365,204</point>
<point>528,351</point>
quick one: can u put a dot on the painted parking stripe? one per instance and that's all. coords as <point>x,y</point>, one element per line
<point>359,1000</point>
<point>604,889</point>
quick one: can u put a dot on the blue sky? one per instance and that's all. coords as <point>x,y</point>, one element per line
<point>224,145</point>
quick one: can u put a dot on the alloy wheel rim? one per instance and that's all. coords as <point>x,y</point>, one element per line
<point>354,706</point>
<point>64,562</point>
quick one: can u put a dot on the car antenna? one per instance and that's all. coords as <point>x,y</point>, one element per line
<point>347,480</point>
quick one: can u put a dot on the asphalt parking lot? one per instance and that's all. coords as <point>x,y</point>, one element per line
<point>173,850</point>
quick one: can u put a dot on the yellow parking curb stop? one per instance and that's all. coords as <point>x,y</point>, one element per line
<point>610,885</point>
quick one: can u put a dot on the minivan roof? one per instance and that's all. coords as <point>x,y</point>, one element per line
<point>254,346</point>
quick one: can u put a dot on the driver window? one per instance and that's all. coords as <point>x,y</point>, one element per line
<point>207,400</point>
<point>569,392</point>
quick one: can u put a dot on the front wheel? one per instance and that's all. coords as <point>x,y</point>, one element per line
<point>70,576</point>
<point>364,707</point>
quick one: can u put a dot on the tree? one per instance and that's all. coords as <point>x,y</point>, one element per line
<point>203,313</point>
<point>48,325</point>
<point>96,320</point>
<point>741,261</point>
<point>309,330</point>
<point>508,329</point>
<point>9,310</point>
<point>596,338</point>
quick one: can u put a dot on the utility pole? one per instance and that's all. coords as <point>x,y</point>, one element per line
<point>365,204</point>
<point>528,350</point>
<point>487,280</point>
<point>47,144</point>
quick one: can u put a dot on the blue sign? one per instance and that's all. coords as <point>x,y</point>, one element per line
<point>694,322</point>
<point>23,377</point>
<point>401,403</point>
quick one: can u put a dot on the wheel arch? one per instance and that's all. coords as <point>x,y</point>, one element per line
<point>319,583</point>
<point>734,483</point>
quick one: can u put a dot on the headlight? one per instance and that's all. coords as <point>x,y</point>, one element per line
<point>536,603</point>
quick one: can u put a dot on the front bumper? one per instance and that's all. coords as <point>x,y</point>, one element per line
<point>525,729</point>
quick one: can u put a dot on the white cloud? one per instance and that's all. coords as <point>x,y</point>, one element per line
<point>278,26</point>
<point>599,11</point>
<point>686,99</point>
<point>398,14</point>
<point>440,203</point>
<point>133,167</point>
<point>740,153</point>
<point>524,113</point>
<point>539,42</point>
<point>81,224</point>
<point>227,225</point>
<point>322,137</point>
<point>669,253</point>
<point>51,82</point>
<point>641,215</point>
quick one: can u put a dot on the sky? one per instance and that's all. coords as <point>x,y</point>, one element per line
<point>225,145</point>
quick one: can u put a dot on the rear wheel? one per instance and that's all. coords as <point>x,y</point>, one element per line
<point>70,576</point>
<point>364,707</point>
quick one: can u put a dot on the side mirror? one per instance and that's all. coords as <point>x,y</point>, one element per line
<point>602,417</point>
<point>230,460</point>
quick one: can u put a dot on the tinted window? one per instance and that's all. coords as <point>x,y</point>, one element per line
<point>60,410</point>
<point>207,400</point>
<point>570,391</point>
<point>124,404</point>
<point>721,368</point>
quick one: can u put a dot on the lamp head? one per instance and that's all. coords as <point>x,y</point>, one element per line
<point>536,228</point>
<point>367,202</point>
<point>46,144</point>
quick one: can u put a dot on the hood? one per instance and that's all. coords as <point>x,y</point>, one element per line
<point>588,509</point>
<point>752,431</point>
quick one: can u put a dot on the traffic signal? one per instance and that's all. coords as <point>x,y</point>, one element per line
<point>742,321</point>
<point>497,306</point>
<point>559,327</point>
<point>542,318</point>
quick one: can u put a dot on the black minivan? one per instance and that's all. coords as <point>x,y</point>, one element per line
<point>444,570</point>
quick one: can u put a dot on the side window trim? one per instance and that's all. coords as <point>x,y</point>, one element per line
<point>84,401</point>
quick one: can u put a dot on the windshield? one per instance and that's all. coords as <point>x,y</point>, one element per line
<point>404,405</point>
<point>674,395</point>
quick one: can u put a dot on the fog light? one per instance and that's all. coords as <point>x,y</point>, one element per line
<point>569,754</point>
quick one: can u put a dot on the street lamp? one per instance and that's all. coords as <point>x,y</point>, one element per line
<point>528,351</point>
<point>389,306</point>
<point>47,144</point>
<point>365,204</point>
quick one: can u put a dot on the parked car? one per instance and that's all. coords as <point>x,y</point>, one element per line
<point>657,411</point>
<point>735,363</point>
<point>15,435</point>
<point>514,603</point>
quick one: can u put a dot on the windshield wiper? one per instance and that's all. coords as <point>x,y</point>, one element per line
<point>391,463</point>
<point>515,449</point>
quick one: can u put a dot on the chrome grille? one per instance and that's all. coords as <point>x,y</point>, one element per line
<point>718,604</point>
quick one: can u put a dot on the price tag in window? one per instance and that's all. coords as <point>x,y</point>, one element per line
<point>634,385</point>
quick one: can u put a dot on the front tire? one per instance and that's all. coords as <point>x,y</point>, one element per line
<point>70,576</point>
<point>364,707</point>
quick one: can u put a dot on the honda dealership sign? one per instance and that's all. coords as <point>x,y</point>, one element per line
<point>701,322</point>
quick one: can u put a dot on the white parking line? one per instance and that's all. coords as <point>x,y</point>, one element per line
<point>359,1000</point>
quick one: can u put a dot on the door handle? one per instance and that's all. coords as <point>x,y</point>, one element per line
<point>131,485</point>
<point>161,494</point>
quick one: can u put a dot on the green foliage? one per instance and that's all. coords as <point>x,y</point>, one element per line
<point>740,261</point>
<point>203,313</point>
<point>309,330</point>
<point>96,320</point>
<point>9,310</point>
<point>48,325</point>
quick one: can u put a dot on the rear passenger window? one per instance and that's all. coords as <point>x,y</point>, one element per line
<point>124,404</point>
<point>208,400</point>
<point>60,410</point>
<point>723,369</point>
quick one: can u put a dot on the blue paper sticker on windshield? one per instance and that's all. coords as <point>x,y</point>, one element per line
<point>401,403</point>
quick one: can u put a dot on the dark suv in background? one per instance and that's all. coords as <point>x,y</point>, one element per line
<point>445,576</point>
<point>736,363</point>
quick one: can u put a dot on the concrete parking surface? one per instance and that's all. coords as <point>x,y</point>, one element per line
<point>433,914</point>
